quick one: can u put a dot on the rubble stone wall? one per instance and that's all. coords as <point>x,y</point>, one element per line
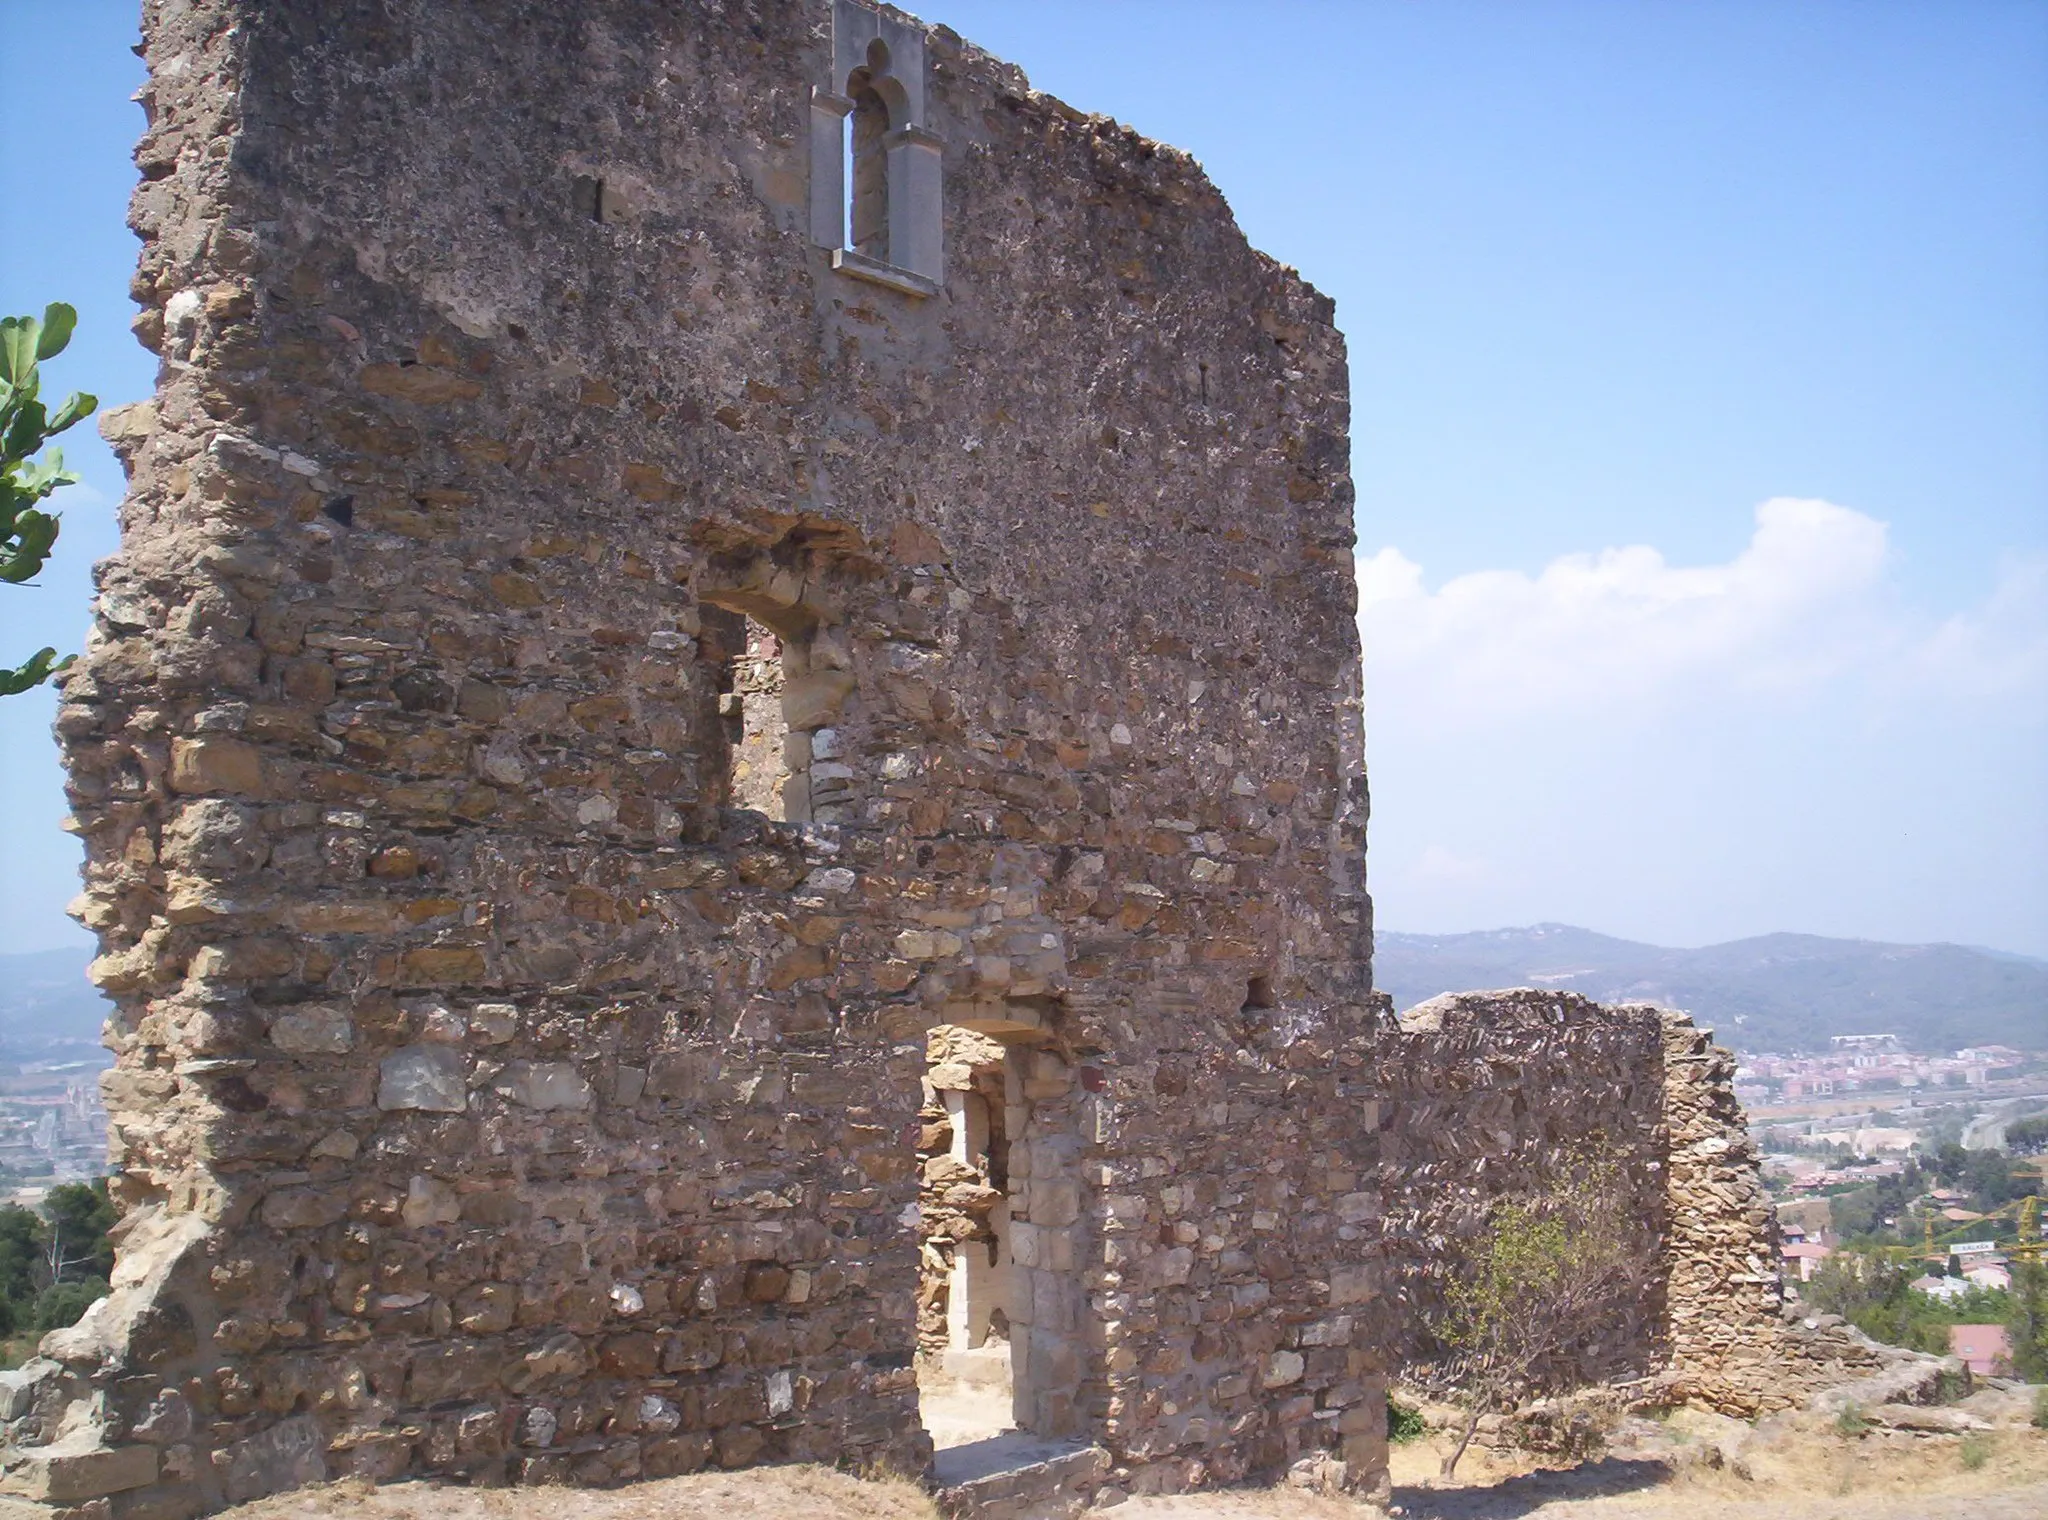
<point>495,1098</point>
<point>1481,1093</point>
<point>1481,1097</point>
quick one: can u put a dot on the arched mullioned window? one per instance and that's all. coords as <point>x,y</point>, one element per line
<point>867,154</point>
<point>877,197</point>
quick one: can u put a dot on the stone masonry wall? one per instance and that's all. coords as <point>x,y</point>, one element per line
<point>494,1098</point>
<point>1480,1095</point>
<point>1481,1090</point>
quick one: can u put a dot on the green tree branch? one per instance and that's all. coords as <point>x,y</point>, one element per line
<point>28,534</point>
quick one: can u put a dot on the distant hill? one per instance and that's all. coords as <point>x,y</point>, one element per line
<point>47,1006</point>
<point>1781,992</point>
<point>1778,992</point>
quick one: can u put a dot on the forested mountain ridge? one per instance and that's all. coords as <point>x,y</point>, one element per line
<point>47,1007</point>
<point>1783,992</point>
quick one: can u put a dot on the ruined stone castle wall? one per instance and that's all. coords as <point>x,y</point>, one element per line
<point>1730,1346</point>
<point>494,1097</point>
<point>1482,1093</point>
<point>521,1025</point>
<point>1484,1096</point>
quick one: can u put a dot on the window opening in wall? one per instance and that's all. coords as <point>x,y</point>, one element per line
<point>867,158</point>
<point>1258,1002</point>
<point>596,200</point>
<point>877,192</point>
<point>750,709</point>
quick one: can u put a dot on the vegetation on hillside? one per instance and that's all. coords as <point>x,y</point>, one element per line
<point>2028,1137</point>
<point>1886,1227</point>
<point>1894,1212</point>
<point>54,1261</point>
<point>1873,1294</point>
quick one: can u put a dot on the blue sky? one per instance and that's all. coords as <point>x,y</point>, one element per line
<point>1700,388</point>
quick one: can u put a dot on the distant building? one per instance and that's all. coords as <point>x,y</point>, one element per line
<point>1804,1256</point>
<point>1984,1349</point>
<point>1990,1055</point>
<point>1989,1274</point>
<point>1807,1218</point>
<point>1943,1288</point>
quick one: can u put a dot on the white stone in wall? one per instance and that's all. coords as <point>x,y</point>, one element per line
<point>427,1077</point>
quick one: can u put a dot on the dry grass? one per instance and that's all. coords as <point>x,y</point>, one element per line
<point>1803,1474</point>
<point>1282,1503</point>
<point>1800,1474</point>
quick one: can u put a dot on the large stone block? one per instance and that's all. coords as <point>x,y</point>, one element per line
<point>77,1470</point>
<point>429,1077</point>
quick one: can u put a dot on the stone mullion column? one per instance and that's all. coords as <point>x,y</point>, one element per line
<point>828,167</point>
<point>916,196</point>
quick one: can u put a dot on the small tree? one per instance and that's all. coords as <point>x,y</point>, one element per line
<point>80,1215</point>
<point>2027,1327</point>
<point>1540,1280</point>
<point>27,534</point>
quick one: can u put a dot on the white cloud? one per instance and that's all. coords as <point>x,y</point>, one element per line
<point>1606,633</point>
<point>1999,649</point>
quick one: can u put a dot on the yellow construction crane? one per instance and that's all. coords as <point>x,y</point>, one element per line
<point>2027,1211</point>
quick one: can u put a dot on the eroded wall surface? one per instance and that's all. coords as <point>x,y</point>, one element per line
<point>1479,1097</point>
<point>496,1098</point>
<point>1486,1096</point>
<point>497,1095</point>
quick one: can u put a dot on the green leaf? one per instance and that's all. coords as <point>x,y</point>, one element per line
<point>18,348</point>
<point>58,320</point>
<point>36,478</point>
<point>76,405</point>
<point>24,434</point>
<point>40,667</point>
<point>34,534</point>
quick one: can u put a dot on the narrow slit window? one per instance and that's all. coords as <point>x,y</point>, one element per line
<point>877,195</point>
<point>756,733</point>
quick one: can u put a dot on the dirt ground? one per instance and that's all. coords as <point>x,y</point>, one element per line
<point>760,1493</point>
<point>1800,1475</point>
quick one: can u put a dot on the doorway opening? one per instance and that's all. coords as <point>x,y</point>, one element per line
<point>1000,1298</point>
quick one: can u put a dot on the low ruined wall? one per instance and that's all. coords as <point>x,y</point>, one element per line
<point>1483,1090</point>
<point>1482,1094</point>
